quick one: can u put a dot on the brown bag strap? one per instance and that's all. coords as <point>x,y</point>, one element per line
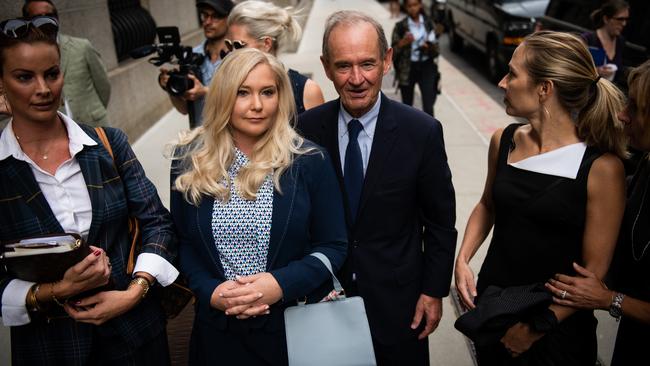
<point>134,228</point>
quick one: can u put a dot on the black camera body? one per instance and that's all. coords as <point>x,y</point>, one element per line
<point>169,50</point>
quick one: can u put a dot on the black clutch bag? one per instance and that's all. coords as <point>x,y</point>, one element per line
<point>45,258</point>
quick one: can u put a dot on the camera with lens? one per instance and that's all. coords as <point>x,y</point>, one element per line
<point>169,50</point>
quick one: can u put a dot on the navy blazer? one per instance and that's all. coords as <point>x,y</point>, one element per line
<point>116,191</point>
<point>307,217</point>
<point>403,241</point>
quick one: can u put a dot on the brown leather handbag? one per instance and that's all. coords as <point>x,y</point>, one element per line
<point>173,298</point>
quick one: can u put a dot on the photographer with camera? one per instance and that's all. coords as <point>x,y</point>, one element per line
<point>213,15</point>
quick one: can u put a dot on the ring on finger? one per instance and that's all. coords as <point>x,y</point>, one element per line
<point>563,294</point>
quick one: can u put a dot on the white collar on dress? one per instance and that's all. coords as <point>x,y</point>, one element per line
<point>563,162</point>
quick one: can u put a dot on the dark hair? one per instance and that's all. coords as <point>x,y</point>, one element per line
<point>608,9</point>
<point>33,35</point>
<point>26,5</point>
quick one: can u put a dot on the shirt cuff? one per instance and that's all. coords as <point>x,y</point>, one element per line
<point>156,266</point>
<point>14,311</point>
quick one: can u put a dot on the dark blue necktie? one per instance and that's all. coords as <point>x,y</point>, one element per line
<point>353,172</point>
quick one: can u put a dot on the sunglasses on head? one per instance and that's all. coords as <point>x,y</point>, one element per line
<point>231,46</point>
<point>234,45</point>
<point>18,28</point>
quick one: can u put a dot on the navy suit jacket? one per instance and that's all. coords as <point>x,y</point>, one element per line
<point>307,217</point>
<point>116,191</point>
<point>403,241</point>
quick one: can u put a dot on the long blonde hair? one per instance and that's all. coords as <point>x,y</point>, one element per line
<point>207,152</point>
<point>594,102</point>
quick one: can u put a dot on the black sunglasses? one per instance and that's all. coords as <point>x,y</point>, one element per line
<point>18,28</point>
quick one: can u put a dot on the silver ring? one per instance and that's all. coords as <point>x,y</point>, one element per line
<point>563,294</point>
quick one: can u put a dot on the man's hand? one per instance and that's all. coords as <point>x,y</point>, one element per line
<point>431,309</point>
<point>197,92</point>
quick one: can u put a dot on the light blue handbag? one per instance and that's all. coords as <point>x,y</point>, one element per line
<point>332,333</point>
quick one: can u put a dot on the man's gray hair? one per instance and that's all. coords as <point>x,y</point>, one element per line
<point>352,17</point>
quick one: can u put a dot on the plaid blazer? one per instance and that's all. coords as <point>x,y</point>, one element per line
<point>116,190</point>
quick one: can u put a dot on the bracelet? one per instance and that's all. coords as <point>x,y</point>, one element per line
<point>616,309</point>
<point>53,296</point>
<point>31,301</point>
<point>141,281</point>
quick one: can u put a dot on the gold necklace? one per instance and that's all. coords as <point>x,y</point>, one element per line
<point>44,155</point>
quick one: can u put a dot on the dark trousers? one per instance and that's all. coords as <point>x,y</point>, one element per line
<point>425,74</point>
<point>412,353</point>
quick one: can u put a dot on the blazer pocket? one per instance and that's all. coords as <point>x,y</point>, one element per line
<point>393,186</point>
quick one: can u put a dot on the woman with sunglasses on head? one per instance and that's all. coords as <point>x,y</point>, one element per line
<point>609,19</point>
<point>629,296</point>
<point>251,200</point>
<point>554,195</point>
<point>56,176</point>
<point>267,27</point>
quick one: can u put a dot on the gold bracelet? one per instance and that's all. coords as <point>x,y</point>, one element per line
<point>53,296</point>
<point>142,282</point>
<point>31,301</point>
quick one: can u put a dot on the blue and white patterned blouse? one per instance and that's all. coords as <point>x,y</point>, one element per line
<point>242,228</point>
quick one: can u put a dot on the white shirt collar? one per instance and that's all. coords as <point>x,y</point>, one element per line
<point>76,136</point>
<point>368,120</point>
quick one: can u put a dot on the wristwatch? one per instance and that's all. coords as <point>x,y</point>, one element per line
<point>615,308</point>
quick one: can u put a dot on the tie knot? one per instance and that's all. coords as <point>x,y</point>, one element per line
<point>354,127</point>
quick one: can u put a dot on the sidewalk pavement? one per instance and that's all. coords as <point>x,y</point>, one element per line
<point>469,117</point>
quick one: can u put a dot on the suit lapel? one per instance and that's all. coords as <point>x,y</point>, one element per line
<point>20,174</point>
<point>330,126</point>
<point>64,59</point>
<point>382,145</point>
<point>282,211</point>
<point>91,168</point>
<point>204,227</point>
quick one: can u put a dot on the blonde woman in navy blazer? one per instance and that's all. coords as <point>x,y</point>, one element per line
<point>251,200</point>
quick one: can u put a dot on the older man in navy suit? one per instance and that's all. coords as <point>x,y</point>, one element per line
<point>392,168</point>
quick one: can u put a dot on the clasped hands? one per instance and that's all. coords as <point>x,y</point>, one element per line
<point>247,296</point>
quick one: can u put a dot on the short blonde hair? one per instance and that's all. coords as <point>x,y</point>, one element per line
<point>264,19</point>
<point>207,152</point>
<point>594,102</point>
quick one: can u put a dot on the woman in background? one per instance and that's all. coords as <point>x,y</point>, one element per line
<point>268,27</point>
<point>630,272</point>
<point>609,20</point>
<point>251,200</point>
<point>416,47</point>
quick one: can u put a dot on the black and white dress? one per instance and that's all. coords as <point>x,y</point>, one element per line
<point>539,224</point>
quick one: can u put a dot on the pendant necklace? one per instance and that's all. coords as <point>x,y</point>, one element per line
<point>44,156</point>
<point>636,219</point>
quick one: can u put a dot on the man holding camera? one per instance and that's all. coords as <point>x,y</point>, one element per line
<point>213,15</point>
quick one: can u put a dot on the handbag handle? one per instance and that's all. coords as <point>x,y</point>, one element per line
<point>134,226</point>
<point>337,285</point>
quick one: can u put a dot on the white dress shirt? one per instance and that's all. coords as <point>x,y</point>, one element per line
<point>369,122</point>
<point>69,200</point>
